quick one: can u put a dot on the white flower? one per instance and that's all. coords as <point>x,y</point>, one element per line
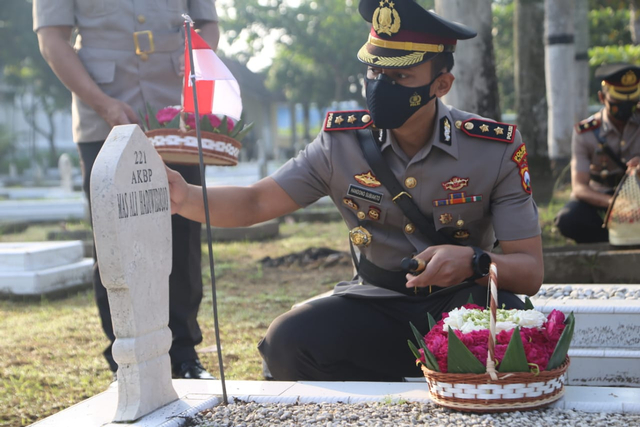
<point>529,318</point>
<point>505,326</point>
<point>467,320</point>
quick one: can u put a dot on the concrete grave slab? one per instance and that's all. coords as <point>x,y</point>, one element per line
<point>42,268</point>
<point>47,281</point>
<point>131,213</point>
<point>34,256</point>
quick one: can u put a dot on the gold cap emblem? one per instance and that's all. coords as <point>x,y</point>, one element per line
<point>386,19</point>
<point>629,78</point>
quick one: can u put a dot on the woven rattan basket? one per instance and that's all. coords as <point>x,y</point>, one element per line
<point>495,391</point>
<point>179,147</point>
<point>515,391</point>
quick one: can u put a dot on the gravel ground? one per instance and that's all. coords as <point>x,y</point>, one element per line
<point>566,292</point>
<point>247,414</point>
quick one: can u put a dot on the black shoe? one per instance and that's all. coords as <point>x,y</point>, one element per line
<point>191,369</point>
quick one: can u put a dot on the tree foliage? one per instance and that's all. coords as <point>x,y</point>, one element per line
<point>317,37</point>
<point>35,86</point>
<point>609,26</point>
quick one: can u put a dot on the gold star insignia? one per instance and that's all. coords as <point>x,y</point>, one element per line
<point>381,3</point>
<point>352,119</point>
<point>391,4</point>
<point>339,120</point>
<point>498,131</point>
<point>484,128</point>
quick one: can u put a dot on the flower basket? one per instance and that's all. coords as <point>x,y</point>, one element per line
<point>455,373</point>
<point>172,133</point>
<point>514,391</point>
<point>181,147</point>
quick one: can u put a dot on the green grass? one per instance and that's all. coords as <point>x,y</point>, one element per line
<point>51,350</point>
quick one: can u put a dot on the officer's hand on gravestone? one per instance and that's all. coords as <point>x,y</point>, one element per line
<point>116,112</point>
<point>446,265</point>
<point>178,190</point>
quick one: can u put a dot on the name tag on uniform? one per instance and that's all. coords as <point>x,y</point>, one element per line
<point>365,194</point>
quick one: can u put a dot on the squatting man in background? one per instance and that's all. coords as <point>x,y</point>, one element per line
<point>467,175</point>
<point>603,147</point>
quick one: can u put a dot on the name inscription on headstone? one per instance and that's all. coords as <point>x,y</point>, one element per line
<point>143,201</point>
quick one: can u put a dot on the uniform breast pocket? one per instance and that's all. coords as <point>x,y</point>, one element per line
<point>102,72</point>
<point>459,217</point>
<point>174,5</point>
<point>177,59</point>
<point>95,8</point>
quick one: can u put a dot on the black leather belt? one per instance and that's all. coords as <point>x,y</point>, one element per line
<point>392,280</point>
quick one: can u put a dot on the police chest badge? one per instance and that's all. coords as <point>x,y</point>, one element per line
<point>455,183</point>
<point>386,19</point>
<point>367,179</point>
<point>520,158</point>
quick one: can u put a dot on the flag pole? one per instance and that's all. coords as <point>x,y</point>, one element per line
<point>192,78</point>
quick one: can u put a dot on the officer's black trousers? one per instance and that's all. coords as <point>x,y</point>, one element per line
<point>185,281</point>
<point>582,222</point>
<point>346,338</point>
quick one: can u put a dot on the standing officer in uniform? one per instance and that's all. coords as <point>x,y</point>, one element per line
<point>128,53</point>
<point>603,147</point>
<point>443,186</point>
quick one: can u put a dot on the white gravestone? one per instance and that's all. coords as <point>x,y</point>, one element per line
<point>131,213</point>
<point>66,170</point>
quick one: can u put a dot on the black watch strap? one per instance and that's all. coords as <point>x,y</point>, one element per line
<point>480,263</point>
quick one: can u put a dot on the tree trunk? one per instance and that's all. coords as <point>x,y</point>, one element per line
<point>305,124</point>
<point>635,21</point>
<point>560,55</point>
<point>581,105</point>
<point>294,126</point>
<point>531,102</point>
<point>476,86</point>
<point>51,137</point>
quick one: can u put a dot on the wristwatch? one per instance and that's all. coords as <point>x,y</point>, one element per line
<point>480,263</point>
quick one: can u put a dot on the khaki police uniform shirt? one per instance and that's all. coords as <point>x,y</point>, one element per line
<point>503,208</point>
<point>586,155</point>
<point>105,45</point>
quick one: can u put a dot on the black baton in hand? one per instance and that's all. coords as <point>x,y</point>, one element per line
<point>414,266</point>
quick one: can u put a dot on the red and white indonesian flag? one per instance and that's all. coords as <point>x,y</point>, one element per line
<point>217,89</point>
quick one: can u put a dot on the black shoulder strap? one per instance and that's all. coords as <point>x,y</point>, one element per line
<point>608,151</point>
<point>381,169</point>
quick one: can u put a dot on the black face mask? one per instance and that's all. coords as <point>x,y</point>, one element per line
<point>391,104</point>
<point>622,110</point>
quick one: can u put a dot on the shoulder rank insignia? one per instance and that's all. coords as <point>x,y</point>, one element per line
<point>347,120</point>
<point>487,129</point>
<point>445,131</point>
<point>588,125</point>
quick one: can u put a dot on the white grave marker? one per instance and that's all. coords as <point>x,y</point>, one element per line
<point>66,171</point>
<point>131,213</point>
